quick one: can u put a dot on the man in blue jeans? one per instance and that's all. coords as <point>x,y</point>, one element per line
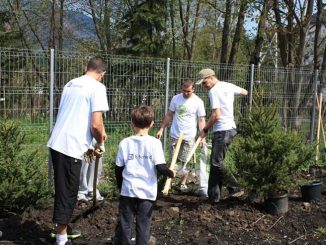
<point>221,96</point>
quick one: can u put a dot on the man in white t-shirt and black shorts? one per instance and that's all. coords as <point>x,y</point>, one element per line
<point>221,96</point>
<point>79,120</point>
<point>186,110</point>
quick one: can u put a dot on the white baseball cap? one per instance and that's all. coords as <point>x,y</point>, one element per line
<point>204,73</point>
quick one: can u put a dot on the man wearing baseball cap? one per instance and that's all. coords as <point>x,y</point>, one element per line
<point>221,95</point>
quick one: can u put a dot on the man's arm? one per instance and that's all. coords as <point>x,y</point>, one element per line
<point>166,121</point>
<point>201,125</point>
<point>98,130</point>
<point>216,113</point>
<point>243,92</point>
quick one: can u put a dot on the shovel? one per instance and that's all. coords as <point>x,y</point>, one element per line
<point>174,160</point>
<point>184,171</point>
<point>97,159</point>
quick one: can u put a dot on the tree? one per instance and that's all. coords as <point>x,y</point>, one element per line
<point>226,31</point>
<point>261,32</point>
<point>8,35</point>
<point>144,28</point>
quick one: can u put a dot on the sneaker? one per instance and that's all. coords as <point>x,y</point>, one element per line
<point>71,233</point>
<point>183,188</point>
<point>82,198</point>
<point>98,197</point>
<point>201,193</point>
<point>67,243</point>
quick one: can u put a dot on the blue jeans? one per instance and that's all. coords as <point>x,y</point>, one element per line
<point>219,171</point>
<point>129,207</point>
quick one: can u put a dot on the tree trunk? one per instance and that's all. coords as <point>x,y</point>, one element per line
<point>226,31</point>
<point>60,30</point>
<point>255,59</point>
<point>107,26</point>
<point>238,32</point>
<point>97,25</point>
<point>323,69</point>
<point>282,40</point>
<point>172,27</point>
<point>52,26</point>
<point>317,34</point>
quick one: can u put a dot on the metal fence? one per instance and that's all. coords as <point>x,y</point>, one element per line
<point>31,83</point>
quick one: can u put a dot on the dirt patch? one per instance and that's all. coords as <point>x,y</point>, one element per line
<point>182,219</point>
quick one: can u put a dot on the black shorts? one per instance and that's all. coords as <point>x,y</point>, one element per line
<point>66,184</point>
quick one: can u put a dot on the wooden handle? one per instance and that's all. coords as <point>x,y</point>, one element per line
<point>319,103</point>
<point>321,122</point>
<point>97,159</point>
<point>193,150</point>
<point>191,153</point>
<point>174,160</point>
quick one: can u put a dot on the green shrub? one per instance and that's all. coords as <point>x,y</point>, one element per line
<point>22,173</point>
<point>267,157</point>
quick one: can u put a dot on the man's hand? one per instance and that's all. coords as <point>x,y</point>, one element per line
<point>99,149</point>
<point>159,133</point>
<point>174,173</point>
<point>202,134</point>
<point>202,142</point>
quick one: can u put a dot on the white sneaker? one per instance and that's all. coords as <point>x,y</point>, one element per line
<point>82,198</point>
<point>183,188</point>
<point>98,197</point>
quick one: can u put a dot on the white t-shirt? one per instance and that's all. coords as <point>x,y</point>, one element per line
<point>222,96</point>
<point>186,114</point>
<point>139,155</point>
<point>71,134</point>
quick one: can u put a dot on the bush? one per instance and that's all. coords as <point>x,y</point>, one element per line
<point>23,175</point>
<point>266,156</point>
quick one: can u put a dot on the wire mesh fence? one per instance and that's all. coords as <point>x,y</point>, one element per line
<point>25,89</point>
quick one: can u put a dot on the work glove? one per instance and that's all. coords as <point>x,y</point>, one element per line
<point>99,149</point>
<point>89,155</point>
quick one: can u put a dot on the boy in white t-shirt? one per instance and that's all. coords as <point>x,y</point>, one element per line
<point>139,158</point>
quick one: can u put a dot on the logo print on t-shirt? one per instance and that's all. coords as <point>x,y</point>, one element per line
<point>182,110</point>
<point>131,157</point>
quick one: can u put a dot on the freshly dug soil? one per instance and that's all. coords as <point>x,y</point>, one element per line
<point>181,218</point>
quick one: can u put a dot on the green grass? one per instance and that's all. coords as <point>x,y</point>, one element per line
<point>321,231</point>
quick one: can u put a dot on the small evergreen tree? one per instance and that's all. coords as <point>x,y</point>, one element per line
<point>23,176</point>
<point>266,156</point>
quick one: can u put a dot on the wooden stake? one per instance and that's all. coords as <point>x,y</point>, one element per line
<point>322,123</point>
<point>319,103</point>
<point>174,160</point>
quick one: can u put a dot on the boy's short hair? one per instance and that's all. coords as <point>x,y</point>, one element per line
<point>142,116</point>
<point>96,64</point>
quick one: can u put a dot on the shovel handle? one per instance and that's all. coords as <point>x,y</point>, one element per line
<point>174,160</point>
<point>97,159</point>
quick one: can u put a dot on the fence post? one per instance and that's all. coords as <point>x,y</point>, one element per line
<point>252,70</point>
<point>167,85</point>
<point>313,110</point>
<point>52,67</point>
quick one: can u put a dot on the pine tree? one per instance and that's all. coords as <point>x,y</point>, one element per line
<point>266,156</point>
